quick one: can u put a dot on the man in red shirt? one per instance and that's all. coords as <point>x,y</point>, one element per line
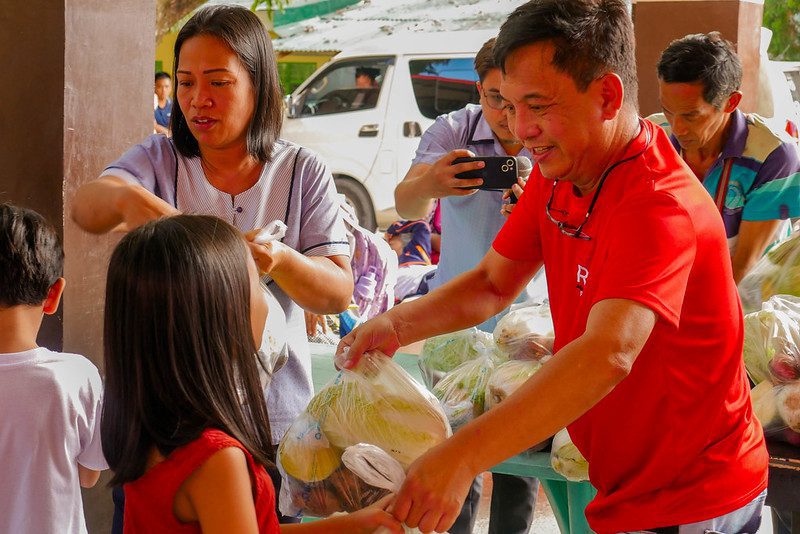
<point>648,373</point>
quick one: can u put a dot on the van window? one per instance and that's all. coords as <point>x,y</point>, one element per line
<point>350,85</point>
<point>443,85</point>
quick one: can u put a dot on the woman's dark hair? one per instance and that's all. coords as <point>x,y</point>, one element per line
<point>590,37</point>
<point>703,58</point>
<point>178,345</point>
<point>484,59</point>
<point>242,31</point>
<point>31,257</point>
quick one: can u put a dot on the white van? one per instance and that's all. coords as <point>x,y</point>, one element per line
<point>364,111</point>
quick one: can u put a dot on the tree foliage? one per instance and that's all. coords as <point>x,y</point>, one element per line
<point>783,18</point>
<point>171,13</point>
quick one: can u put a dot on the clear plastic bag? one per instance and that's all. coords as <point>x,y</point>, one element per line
<point>442,354</point>
<point>772,358</point>
<point>505,380</point>
<point>566,459</point>
<point>526,333</point>
<point>776,273</point>
<point>376,403</point>
<point>462,391</point>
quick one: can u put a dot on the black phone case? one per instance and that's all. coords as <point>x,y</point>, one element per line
<point>500,172</point>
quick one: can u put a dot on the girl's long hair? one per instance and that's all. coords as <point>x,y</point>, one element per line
<point>179,350</point>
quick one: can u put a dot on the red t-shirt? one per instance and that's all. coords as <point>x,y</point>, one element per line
<point>675,442</point>
<point>149,499</point>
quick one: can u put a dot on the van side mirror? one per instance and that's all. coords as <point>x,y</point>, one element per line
<point>287,101</point>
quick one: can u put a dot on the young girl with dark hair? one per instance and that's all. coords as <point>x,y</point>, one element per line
<point>185,426</point>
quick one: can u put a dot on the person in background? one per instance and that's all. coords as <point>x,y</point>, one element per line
<point>225,159</point>
<point>50,402</point>
<point>470,221</point>
<point>366,78</point>
<point>647,371</point>
<point>186,428</point>
<point>752,172</point>
<point>163,103</point>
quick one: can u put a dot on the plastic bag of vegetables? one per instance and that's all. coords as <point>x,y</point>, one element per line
<point>462,391</point>
<point>776,273</point>
<point>526,333</point>
<point>772,357</point>
<point>566,459</point>
<point>442,354</point>
<point>772,340</point>
<point>506,379</point>
<point>377,403</point>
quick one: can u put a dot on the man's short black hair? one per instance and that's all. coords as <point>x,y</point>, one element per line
<point>160,75</point>
<point>591,38</point>
<point>484,59</point>
<point>369,72</point>
<point>703,58</point>
<point>31,257</point>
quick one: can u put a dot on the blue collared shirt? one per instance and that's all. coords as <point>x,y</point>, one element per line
<point>764,180</point>
<point>469,223</point>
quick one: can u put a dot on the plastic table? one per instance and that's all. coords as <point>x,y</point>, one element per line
<point>567,499</point>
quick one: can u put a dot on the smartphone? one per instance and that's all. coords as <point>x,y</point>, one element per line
<point>499,172</point>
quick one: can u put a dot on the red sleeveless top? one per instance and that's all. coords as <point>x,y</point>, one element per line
<point>149,499</point>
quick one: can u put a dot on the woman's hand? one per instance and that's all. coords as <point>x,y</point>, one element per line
<point>111,203</point>
<point>139,206</point>
<point>266,255</point>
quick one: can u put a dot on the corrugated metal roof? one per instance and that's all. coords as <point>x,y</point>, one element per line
<point>368,20</point>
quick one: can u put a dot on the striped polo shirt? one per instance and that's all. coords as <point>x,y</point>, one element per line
<point>764,180</point>
<point>296,188</point>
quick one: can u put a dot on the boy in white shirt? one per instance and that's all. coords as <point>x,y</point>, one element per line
<point>49,401</point>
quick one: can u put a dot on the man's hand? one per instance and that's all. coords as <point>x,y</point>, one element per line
<point>376,334</point>
<point>434,490</point>
<point>440,179</point>
<point>517,190</point>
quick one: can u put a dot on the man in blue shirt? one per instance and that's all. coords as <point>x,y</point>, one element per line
<point>752,172</point>
<point>470,222</point>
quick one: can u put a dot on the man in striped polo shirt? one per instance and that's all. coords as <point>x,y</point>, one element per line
<point>752,172</point>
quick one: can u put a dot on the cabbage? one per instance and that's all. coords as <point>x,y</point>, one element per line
<point>442,354</point>
<point>526,333</point>
<point>765,405</point>
<point>507,378</point>
<point>462,391</point>
<point>788,401</point>
<point>567,460</point>
<point>377,403</point>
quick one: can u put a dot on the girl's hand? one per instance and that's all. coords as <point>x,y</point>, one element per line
<point>373,517</point>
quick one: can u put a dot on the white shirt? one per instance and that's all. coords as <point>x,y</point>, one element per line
<point>49,423</point>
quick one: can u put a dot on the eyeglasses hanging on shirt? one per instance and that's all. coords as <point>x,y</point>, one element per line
<point>577,231</point>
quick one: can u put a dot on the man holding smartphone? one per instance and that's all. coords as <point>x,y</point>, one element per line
<point>471,219</point>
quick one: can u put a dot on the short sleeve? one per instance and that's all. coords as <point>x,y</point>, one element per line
<point>775,193</point>
<point>153,164</point>
<point>91,396</point>
<point>519,239</point>
<point>322,232</point>
<point>650,253</point>
<point>439,139</point>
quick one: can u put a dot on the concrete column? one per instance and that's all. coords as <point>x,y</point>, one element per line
<point>658,22</point>
<point>77,92</point>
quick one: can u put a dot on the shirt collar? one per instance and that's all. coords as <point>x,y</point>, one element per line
<point>737,139</point>
<point>483,133</point>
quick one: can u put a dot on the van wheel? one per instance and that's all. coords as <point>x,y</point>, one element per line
<point>358,198</point>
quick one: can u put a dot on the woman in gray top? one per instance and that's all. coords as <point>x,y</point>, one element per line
<point>225,159</point>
